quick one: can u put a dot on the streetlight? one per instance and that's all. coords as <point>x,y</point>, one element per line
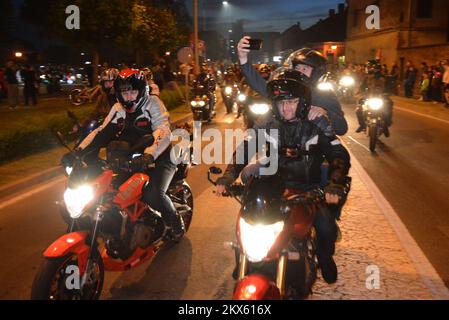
<point>19,54</point>
<point>225,3</point>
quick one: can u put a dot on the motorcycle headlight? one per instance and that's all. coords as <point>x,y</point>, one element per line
<point>257,240</point>
<point>193,103</point>
<point>77,199</point>
<point>68,170</point>
<point>259,108</point>
<point>228,90</point>
<point>347,81</point>
<point>325,86</point>
<point>202,103</point>
<point>375,103</point>
<point>242,97</point>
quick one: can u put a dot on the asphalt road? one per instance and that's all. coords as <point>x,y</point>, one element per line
<point>411,169</point>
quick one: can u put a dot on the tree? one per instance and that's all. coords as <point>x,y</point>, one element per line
<point>132,25</point>
<point>5,22</point>
<point>153,31</point>
<point>103,23</point>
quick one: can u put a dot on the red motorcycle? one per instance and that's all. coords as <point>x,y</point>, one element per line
<point>110,227</point>
<point>275,252</point>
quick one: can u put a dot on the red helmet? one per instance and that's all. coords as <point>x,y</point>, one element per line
<point>128,80</point>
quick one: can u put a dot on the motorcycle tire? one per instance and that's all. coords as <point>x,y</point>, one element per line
<point>54,267</point>
<point>372,137</point>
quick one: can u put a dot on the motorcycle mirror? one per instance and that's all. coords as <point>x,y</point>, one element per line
<point>144,142</point>
<point>61,140</point>
<point>215,170</point>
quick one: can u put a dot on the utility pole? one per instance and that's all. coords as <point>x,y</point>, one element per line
<point>196,52</point>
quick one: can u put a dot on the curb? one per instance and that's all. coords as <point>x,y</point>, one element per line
<point>14,187</point>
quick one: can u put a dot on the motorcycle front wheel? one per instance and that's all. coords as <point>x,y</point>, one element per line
<point>57,279</point>
<point>372,136</point>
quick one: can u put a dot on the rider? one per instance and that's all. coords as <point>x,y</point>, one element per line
<point>206,79</point>
<point>107,97</point>
<point>374,84</point>
<point>152,86</point>
<point>135,115</point>
<point>312,64</point>
<point>305,146</point>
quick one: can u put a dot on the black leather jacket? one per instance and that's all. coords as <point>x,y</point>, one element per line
<point>312,144</point>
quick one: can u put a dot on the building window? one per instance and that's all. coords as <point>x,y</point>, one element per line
<point>424,9</point>
<point>401,17</point>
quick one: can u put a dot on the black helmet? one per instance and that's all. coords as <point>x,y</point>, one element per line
<point>108,75</point>
<point>373,67</point>
<point>309,57</point>
<point>130,79</point>
<point>290,84</point>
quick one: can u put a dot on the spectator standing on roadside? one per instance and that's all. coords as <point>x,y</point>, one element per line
<point>410,79</point>
<point>425,87</point>
<point>13,85</point>
<point>30,85</point>
<point>446,83</point>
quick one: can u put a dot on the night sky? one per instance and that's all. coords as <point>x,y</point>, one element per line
<point>262,15</point>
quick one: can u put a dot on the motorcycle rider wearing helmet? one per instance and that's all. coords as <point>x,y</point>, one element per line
<point>264,71</point>
<point>152,87</point>
<point>374,84</point>
<point>304,146</point>
<point>312,64</point>
<point>107,97</point>
<point>135,115</point>
<point>103,105</point>
<point>207,80</point>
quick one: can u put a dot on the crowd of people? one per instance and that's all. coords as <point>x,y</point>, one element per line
<point>430,81</point>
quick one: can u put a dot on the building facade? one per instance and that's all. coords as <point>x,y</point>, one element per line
<point>410,30</point>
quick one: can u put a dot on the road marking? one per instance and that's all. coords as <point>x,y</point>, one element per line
<point>363,146</point>
<point>31,192</point>
<point>420,114</point>
<point>427,272</point>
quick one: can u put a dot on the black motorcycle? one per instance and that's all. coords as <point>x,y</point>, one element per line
<point>375,114</point>
<point>203,102</point>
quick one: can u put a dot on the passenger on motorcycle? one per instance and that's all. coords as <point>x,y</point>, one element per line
<point>135,115</point>
<point>304,147</point>
<point>312,64</point>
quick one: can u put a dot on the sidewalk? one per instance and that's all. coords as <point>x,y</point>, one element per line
<point>428,109</point>
<point>374,238</point>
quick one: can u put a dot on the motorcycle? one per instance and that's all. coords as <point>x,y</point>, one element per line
<point>346,89</point>
<point>374,110</point>
<point>202,103</point>
<point>251,107</point>
<point>230,96</point>
<point>83,130</point>
<point>109,227</point>
<point>275,252</point>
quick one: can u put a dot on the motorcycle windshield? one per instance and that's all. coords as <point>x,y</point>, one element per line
<point>262,201</point>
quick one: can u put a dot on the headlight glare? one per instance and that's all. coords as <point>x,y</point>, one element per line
<point>77,199</point>
<point>257,240</point>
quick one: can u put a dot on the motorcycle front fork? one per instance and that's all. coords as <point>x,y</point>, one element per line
<point>280,271</point>
<point>98,216</point>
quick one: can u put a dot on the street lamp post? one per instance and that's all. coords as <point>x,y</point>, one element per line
<point>197,58</point>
